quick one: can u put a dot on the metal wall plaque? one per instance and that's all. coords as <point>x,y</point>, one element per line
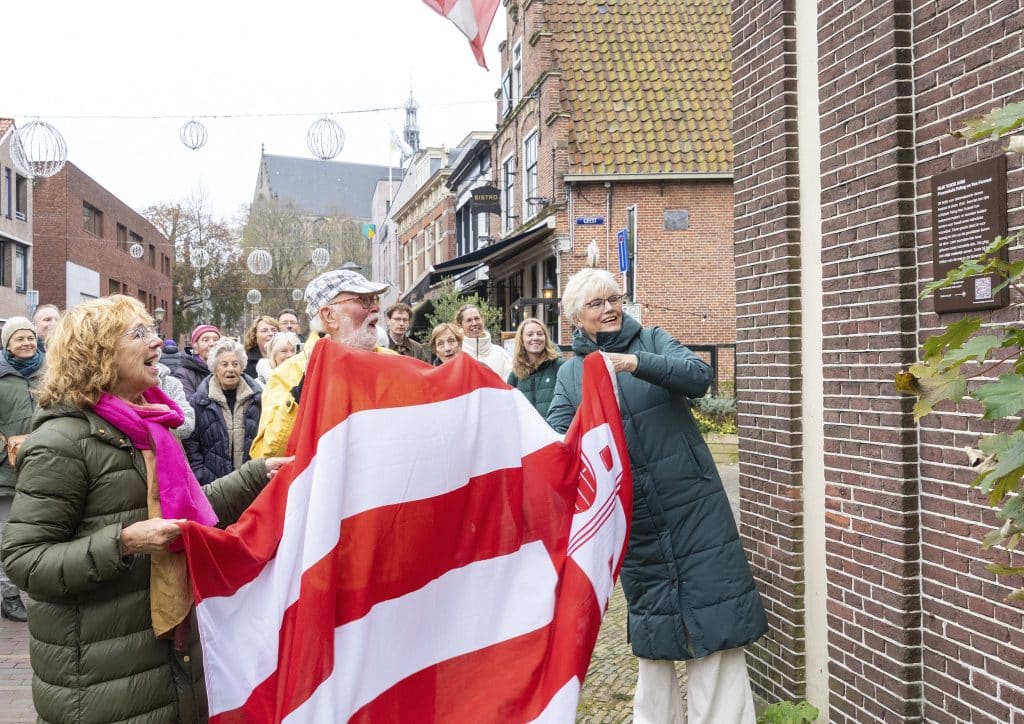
<point>677,219</point>
<point>486,199</point>
<point>968,212</point>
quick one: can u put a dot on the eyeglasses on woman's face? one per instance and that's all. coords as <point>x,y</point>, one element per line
<point>141,333</point>
<point>366,301</point>
<point>596,304</point>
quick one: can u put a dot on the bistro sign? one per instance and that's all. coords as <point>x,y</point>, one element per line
<point>486,200</point>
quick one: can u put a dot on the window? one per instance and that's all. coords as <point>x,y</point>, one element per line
<point>152,256</point>
<point>508,176</point>
<point>530,174</point>
<point>113,287</point>
<point>517,72</point>
<point>21,198</point>
<point>20,268</point>
<point>506,93</point>
<point>134,238</point>
<point>10,192</point>
<point>405,266</point>
<point>438,243</point>
<point>122,238</point>
<point>92,219</point>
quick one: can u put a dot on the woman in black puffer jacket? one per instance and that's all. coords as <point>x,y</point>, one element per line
<point>227,407</point>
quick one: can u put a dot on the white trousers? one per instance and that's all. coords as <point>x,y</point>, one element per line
<point>717,691</point>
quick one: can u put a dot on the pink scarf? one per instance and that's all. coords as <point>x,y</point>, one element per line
<point>147,426</point>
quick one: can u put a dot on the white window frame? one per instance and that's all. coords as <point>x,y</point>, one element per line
<point>438,246</point>
<point>517,72</point>
<point>508,187</point>
<point>506,93</point>
<point>530,172</point>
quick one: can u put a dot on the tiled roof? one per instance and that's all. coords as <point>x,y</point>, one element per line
<point>326,188</point>
<point>5,125</point>
<point>647,84</point>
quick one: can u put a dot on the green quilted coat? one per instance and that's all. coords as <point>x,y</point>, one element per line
<point>686,578</point>
<point>539,387</point>
<point>16,409</point>
<point>94,656</point>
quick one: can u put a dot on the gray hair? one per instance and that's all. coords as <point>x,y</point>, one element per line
<point>281,340</point>
<point>225,346</point>
<point>584,285</point>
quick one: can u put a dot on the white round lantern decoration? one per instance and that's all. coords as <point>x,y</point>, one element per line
<point>325,138</point>
<point>199,258</point>
<point>259,261</point>
<point>193,134</point>
<point>253,296</point>
<point>38,149</point>
<point>136,251</point>
<point>297,295</point>
<point>321,257</point>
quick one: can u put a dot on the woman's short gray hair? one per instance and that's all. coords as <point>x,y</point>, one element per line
<point>225,346</point>
<point>585,285</point>
<point>280,341</point>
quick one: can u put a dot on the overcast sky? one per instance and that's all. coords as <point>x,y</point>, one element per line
<point>91,69</point>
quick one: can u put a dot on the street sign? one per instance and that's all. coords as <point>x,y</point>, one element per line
<point>623,237</point>
<point>589,220</point>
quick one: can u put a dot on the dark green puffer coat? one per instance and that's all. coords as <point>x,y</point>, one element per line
<point>94,656</point>
<point>685,576</point>
<point>539,387</point>
<point>16,409</point>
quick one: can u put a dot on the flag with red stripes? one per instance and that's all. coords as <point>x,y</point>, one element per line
<point>472,17</point>
<point>435,553</point>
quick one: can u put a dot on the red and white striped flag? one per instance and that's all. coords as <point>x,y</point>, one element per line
<point>436,553</point>
<point>472,17</point>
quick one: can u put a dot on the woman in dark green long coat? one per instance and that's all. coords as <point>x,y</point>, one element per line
<point>690,591</point>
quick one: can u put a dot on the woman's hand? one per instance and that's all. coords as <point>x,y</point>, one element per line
<point>150,536</point>
<point>623,362</point>
<point>275,464</point>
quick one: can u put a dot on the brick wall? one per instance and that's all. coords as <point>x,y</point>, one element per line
<point>59,237</point>
<point>917,629</point>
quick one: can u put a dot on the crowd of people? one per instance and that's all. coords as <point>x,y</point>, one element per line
<point>100,469</point>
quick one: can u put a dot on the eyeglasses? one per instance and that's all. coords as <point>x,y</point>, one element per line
<point>365,300</point>
<point>141,333</point>
<point>599,303</point>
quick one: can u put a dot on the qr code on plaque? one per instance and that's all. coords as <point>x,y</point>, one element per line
<point>983,288</point>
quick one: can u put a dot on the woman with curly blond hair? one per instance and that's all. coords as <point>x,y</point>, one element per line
<point>102,487</point>
<point>535,364</point>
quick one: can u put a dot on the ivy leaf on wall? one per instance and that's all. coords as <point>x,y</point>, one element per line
<point>995,123</point>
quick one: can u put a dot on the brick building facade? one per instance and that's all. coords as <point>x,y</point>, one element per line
<point>610,112</point>
<point>861,526</point>
<point>16,259</point>
<point>83,238</point>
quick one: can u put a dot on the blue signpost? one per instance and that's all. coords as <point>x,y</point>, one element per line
<point>623,251</point>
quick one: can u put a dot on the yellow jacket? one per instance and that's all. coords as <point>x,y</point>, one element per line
<point>279,408</point>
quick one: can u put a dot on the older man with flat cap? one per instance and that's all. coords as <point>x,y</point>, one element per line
<point>343,307</point>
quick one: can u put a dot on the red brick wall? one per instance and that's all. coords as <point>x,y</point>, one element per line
<point>59,236</point>
<point>917,629</point>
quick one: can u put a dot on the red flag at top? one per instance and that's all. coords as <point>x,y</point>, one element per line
<point>472,17</point>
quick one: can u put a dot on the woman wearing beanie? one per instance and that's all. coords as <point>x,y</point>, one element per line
<point>193,370</point>
<point>20,369</point>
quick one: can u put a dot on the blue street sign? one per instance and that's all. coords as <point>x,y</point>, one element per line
<point>623,251</point>
<point>589,220</point>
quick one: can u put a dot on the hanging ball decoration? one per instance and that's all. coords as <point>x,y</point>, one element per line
<point>199,258</point>
<point>253,296</point>
<point>206,293</point>
<point>136,251</point>
<point>321,257</point>
<point>38,149</point>
<point>297,295</point>
<point>325,138</point>
<point>193,134</point>
<point>259,261</point>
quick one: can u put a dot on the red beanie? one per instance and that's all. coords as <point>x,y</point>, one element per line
<point>201,330</point>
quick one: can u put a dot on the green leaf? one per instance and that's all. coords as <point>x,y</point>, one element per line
<point>1001,570</point>
<point>995,123</point>
<point>1002,398</point>
<point>955,335</point>
<point>936,386</point>
<point>976,348</point>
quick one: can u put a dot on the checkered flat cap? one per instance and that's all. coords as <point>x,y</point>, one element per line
<point>328,285</point>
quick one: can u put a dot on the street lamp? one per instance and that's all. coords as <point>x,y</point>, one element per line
<point>159,315</point>
<point>548,290</point>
